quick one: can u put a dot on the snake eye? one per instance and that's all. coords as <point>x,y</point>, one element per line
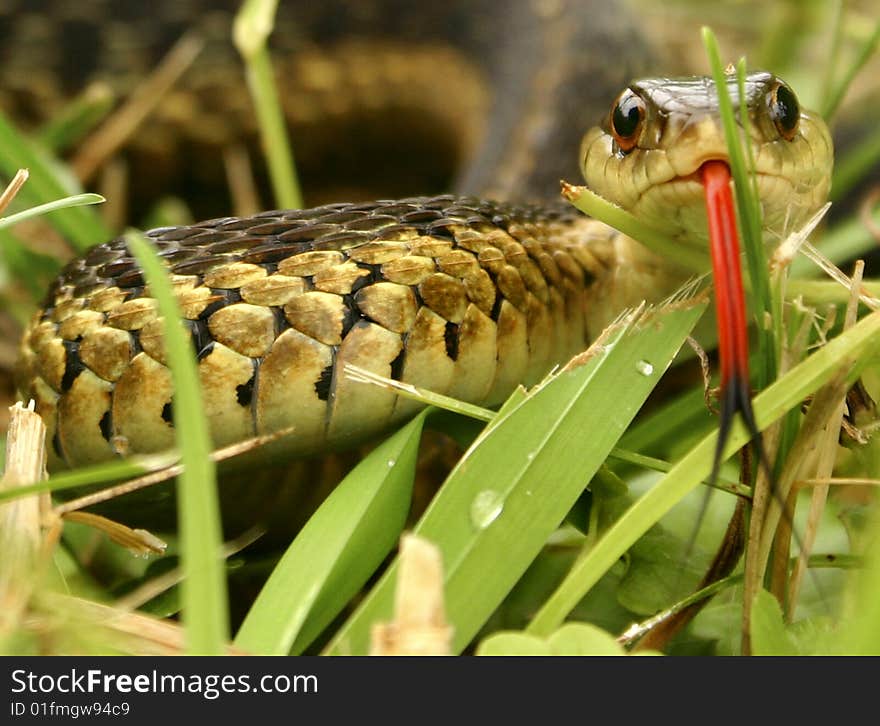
<point>627,117</point>
<point>784,110</point>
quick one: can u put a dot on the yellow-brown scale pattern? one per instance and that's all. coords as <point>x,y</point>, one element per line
<point>461,296</point>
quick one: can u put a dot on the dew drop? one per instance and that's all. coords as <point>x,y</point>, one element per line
<point>391,462</point>
<point>486,508</point>
<point>645,368</point>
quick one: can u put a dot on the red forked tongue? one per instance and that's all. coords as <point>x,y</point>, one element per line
<point>730,308</point>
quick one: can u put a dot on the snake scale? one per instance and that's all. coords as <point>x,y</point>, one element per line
<point>452,292</point>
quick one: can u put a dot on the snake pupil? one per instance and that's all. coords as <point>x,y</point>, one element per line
<point>784,110</point>
<point>626,119</point>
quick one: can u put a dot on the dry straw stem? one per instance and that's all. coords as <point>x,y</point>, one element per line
<point>12,189</point>
<point>122,631</point>
<point>816,442</point>
<point>138,541</point>
<point>113,186</point>
<point>824,458</point>
<point>759,549</point>
<point>20,533</point>
<point>117,129</point>
<point>156,586</point>
<point>813,449</point>
<point>419,626</point>
<point>767,512</point>
<point>165,473</point>
<point>240,181</point>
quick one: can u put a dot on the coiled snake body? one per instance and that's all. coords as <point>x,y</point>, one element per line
<point>459,295</point>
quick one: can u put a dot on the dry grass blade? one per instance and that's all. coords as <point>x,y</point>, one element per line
<point>124,632</point>
<point>822,407</point>
<point>110,136</point>
<point>165,473</point>
<point>836,274</point>
<point>415,393</point>
<point>114,186</point>
<point>771,525</point>
<point>824,463</point>
<point>157,585</point>
<point>419,626</point>
<point>139,541</point>
<point>240,180</point>
<point>12,189</point>
<point>20,534</point>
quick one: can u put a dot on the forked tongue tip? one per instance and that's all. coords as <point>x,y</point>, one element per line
<point>730,306</point>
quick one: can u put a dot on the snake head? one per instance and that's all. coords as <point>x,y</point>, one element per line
<point>647,154</point>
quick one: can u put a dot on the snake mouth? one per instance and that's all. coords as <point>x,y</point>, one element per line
<point>689,187</point>
<point>678,202</point>
<point>698,175</point>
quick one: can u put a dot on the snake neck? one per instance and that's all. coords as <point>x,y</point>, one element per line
<point>626,275</point>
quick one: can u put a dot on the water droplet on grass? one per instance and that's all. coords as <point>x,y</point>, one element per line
<point>486,508</point>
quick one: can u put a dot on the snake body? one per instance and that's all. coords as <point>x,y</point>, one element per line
<point>453,293</point>
<point>462,296</point>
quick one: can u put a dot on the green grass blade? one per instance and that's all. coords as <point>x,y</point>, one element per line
<point>591,204</point>
<point>77,200</point>
<point>860,635</point>
<point>77,119</point>
<point>856,344</point>
<point>93,476</point>
<point>829,108</point>
<point>747,203</point>
<point>32,269</point>
<point>672,421</point>
<point>251,30</point>
<point>855,165</point>
<point>79,225</point>
<point>834,50</point>
<point>338,549</point>
<point>827,292</point>
<point>422,395</point>
<point>204,599</point>
<point>523,474</point>
<point>845,241</point>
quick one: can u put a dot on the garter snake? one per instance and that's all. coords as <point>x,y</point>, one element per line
<point>457,294</point>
